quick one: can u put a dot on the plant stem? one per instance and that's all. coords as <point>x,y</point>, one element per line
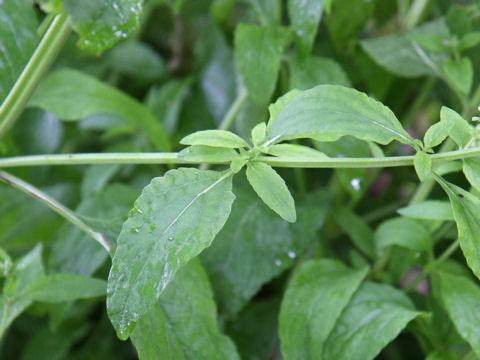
<point>172,158</point>
<point>33,72</point>
<point>415,13</point>
<point>55,206</point>
<point>233,111</point>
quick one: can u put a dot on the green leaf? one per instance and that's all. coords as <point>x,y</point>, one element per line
<point>268,12</point>
<point>64,287</point>
<point>461,132</point>
<point>423,164</point>
<point>438,132</point>
<point>359,232</point>
<point>101,24</point>
<point>258,133</point>
<point>275,108</point>
<point>295,151</point>
<point>403,232</point>
<point>401,55</point>
<point>471,169</point>
<point>315,70</point>
<point>254,234</point>
<point>375,316</point>
<point>459,73</point>
<point>208,154</point>
<point>183,323</point>
<point>257,52</point>
<point>428,210</point>
<point>305,17</point>
<point>271,188</point>
<point>460,298</point>
<point>328,112</point>
<point>469,40</point>
<point>71,95</point>
<point>316,296</point>
<point>215,138</point>
<point>466,211</point>
<point>18,37</point>
<point>176,217</point>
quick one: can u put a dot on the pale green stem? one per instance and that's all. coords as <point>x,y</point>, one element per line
<point>415,13</point>
<point>33,72</point>
<point>55,206</point>
<point>172,158</point>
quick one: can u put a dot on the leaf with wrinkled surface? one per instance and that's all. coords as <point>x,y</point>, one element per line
<point>183,323</point>
<point>328,112</point>
<point>101,24</point>
<point>316,295</point>
<point>305,17</point>
<point>257,53</point>
<point>375,316</point>
<point>176,217</point>
<point>466,211</point>
<point>18,37</point>
<point>72,95</point>
<point>271,188</point>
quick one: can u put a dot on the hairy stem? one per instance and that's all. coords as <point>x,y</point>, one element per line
<point>33,72</point>
<point>172,158</point>
<point>55,206</point>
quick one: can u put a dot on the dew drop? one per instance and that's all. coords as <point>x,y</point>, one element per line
<point>278,262</point>
<point>445,42</point>
<point>115,6</point>
<point>118,33</point>
<point>291,254</point>
<point>355,184</point>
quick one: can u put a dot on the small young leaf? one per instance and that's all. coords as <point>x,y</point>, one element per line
<point>208,154</point>
<point>101,24</point>
<point>271,188</point>
<point>437,133</point>
<point>176,217</point>
<point>461,132</point>
<point>64,287</point>
<point>471,169</point>
<point>466,211</point>
<point>460,297</point>
<point>375,316</point>
<point>469,40</point>
<point>403,232</point>
<point>428,210</point>
<point>215,138</point>
<point>423,164</point>
<point>459,73</point>
<point>172,325</point>
<point>304,17</point>
<point>257,53</point>
<point>316,295</point>
<point>294,151</point>
<point>237,164</point>
<point>258,133</point>
<point>326,113</point>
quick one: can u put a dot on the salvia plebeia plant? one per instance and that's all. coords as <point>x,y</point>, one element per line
<point>255,205</point>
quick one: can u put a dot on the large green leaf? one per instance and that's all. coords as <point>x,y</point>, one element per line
<point>401,55</point>
<point>460,297</point>
<point>466,211</point>
<point>176,217</point>
<point>18,37</point>
<point>71,95</point>
<point>316,295</point>
<point>64,287</point>
<point>374,317</point>
<point>304,18</point>
<point>101,24</point>
<point>254,234</point>
<point>328,112</point>
<point>183,323</point>
<point>257,52</point>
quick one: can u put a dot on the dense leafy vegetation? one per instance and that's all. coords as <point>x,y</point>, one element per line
<point>239,179</point>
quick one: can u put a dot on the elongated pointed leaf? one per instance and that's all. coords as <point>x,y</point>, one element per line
<point>429,210</point>
<point>466,211</point>
<point>176,217</point>
<point>403,232</point>
<point>18,37</point>
<point>295,151</point>
<point>304,17</point>
<point>461,131</point>
<point>271,188</point>
<point>328,112</point>
<point>215,138</point>
<point>374,317</point>
<point>208,154</point>
<point>183,323</point>
<point>423,164</point>
<point>72,95</point>
<point>460,297</point>
<point>438,132</point>
<point>314,300</point>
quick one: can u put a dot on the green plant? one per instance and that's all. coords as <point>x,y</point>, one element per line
<point>226,263</point>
